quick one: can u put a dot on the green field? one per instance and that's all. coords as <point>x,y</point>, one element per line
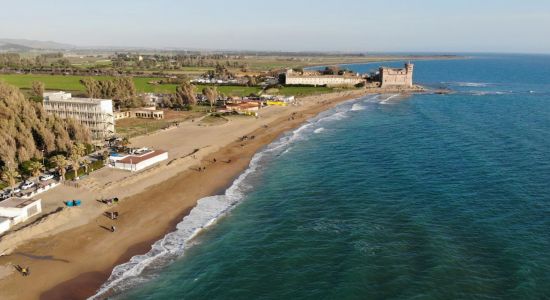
<point>72,84</point>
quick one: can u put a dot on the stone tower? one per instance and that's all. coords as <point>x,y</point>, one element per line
<point>410,69</point>
<point>397,77</point>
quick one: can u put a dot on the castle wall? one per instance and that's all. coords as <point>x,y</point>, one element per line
<point>397,77</point>
<point>328,80</point>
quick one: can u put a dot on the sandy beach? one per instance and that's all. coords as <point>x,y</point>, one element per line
<point>72,253</point>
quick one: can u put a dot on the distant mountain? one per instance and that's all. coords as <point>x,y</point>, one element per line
<point>8,47</point>
<point>26,45</point>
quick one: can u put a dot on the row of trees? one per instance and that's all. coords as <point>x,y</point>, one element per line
<point>16,61</point>
<point>173,62</point>
<point>75,159</point>
<point>121,89</point>
<point>186,96</point>
<point>28,133</point>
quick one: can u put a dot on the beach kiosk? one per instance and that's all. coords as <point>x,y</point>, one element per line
<point>18,210</point>
<point>138,160</point>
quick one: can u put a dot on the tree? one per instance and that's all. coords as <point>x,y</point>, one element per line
<point>26,129</point>
<point>92,87</point>
<point>74,163</point>
<point>185,94</point>
<point>61,163</point>
<point>331,70</point>
<point>35,167</point>
<point>125,142</point>
<point>78,150</point>
<point>86,163</point>
<point>38,88</point>
<point>211,93</point>
<point>9,175</point>
<point>252,81</point>
<point>105,156</point>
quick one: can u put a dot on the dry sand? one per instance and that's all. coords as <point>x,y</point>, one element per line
<point>72,253</point>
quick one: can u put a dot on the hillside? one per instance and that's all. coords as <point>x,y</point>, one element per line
<point>26,45</point>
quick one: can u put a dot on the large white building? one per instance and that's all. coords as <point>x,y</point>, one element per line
<point>96,114</point>
<point>318,79</point>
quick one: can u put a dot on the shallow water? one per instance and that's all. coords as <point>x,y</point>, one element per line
<point>428,197</point>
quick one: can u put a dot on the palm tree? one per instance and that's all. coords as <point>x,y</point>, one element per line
<point>35,167</point>
<point>86,163</point>
<point>61,163</point>
<point>74,162</point>
<point>9,175</point>
<point>78,149</point>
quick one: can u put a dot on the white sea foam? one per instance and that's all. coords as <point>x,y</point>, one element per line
<point>484,93</point>
<point>468,84</point>
<point>386,101</point>
<point>357,106</point>
<point>208,211</point>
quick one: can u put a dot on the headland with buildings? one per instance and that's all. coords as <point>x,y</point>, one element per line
<point>156,187</point>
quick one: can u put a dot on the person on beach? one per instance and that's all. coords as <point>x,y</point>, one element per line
<point>214,159</point>
<point>113,228</point>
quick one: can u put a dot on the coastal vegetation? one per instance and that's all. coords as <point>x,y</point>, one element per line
<point>28,134</point>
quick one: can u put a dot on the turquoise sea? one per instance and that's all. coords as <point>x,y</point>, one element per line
<point>384,197</point>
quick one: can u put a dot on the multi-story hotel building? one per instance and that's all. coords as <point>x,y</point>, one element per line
<point>96,114</point>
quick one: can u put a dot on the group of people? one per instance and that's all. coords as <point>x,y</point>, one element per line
<point>113,215</point>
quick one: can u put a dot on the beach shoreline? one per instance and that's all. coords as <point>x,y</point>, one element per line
<point>85,256</point>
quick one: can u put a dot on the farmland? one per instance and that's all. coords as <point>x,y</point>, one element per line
<point>72,84</point>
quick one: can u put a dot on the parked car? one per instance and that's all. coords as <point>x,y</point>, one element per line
<point>46,177</point>
<point>27,185</point>
<point>9,193</point>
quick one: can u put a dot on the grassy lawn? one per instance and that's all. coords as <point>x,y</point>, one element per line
<point>134,127</point>
<point>302,90</point>
<point>72,83</point>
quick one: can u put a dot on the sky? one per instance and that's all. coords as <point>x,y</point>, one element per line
<point>286,25</point>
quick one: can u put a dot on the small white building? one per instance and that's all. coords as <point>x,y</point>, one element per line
<point>139,160</point>
<point>5,224</point>
<point>16,210</point>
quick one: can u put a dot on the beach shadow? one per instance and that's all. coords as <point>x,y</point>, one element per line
<point>41,257</point>
<point>106,228</point>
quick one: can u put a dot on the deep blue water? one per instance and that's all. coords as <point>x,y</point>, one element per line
<point>426,197</point>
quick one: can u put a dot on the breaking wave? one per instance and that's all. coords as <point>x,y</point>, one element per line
<point>468,84</point>
<point>357,106</point>
<point>208,210</point>
<point>386,101</point>
<point>319,130</point>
